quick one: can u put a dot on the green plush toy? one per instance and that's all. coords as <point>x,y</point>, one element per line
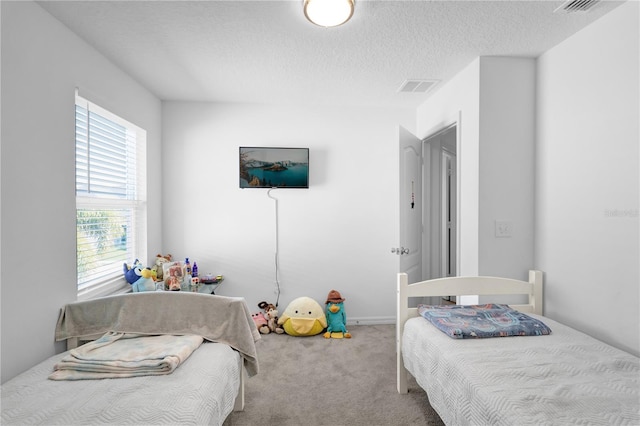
<point>336,317</point>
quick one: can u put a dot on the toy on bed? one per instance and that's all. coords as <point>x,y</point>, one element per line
<point>303,317</point>
<point>271,316</point>
<point>139,277</point>
<point>336,317</point>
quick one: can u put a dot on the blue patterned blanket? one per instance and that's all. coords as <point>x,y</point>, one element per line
<point>480,321</point>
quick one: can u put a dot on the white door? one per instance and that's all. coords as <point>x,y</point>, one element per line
<point>409,249</point>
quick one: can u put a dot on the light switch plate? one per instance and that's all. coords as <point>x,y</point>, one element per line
<point>504,229</point>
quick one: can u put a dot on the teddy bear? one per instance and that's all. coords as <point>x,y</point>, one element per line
<point>160,260</point>
<point>271,315</point>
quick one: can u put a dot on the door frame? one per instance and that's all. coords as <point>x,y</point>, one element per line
<point>426,249</point>
<point>449,213</point>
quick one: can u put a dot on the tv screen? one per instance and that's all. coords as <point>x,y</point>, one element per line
<point>270,167</point>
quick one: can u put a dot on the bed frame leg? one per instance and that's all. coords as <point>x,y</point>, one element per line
<point>239,404</point>
<point>402,376</point>
<point>401,372</point>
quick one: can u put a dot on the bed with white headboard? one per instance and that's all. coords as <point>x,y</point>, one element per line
<point>205,385</point>
<point>565,377</point>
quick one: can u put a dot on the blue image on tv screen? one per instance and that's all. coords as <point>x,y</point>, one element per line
<point>267,167</point>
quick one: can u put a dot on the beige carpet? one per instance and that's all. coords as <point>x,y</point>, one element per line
<point>311,381</point>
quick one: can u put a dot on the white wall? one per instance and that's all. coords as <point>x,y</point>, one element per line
<point>587,189</point>
<point>494,98</point>
<point>507,140</point>
<point>335,235</point>
<point>42,64</point>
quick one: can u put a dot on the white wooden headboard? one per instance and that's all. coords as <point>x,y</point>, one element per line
<point>460,286</point>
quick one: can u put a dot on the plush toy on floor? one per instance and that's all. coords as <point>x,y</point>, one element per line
<point>271,315</point>
<point>303,317</point>
<point>336,317</point>
<point>261,322</point>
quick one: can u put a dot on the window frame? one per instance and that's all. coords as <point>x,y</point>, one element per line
<point>115,282</point>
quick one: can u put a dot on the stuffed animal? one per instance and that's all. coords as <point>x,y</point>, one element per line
<point>139,277</point>
<point>132,273</point>
<point>271,315</point>
<point>160,260</point>
<point>336,317</point>
<point>145,282</point>
<point>261,322</point>
<point>303,317</point>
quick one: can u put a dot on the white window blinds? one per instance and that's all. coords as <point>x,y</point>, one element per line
<point>110,198</point>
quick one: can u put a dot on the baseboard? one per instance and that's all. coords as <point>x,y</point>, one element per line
<point>371,320</point>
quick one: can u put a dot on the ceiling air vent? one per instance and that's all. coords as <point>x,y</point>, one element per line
<point>571,6</point>
<point>416,86</point>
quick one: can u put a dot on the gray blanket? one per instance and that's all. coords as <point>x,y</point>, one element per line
<point>216,318</point>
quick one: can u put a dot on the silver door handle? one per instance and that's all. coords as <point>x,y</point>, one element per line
<point>399,251</point>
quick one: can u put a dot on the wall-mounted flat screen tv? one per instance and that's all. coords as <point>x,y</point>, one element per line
<point>271,167</point>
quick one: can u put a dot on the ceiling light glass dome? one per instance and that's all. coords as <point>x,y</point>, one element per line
<point>328,13</point>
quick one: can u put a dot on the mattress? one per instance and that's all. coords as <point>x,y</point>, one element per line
<point>563,378</point>
<point>201,391</point>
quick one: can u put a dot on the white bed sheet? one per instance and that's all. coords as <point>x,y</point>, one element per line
<point>561,379</point>
<point>201,391</point>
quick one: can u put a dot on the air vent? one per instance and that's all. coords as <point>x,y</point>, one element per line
<point>417,86</point>
<point>571,6</point>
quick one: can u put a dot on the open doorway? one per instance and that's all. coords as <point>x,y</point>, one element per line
<point>440,196</point>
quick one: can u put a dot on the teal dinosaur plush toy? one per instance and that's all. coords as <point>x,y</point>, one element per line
<point>336,317</point>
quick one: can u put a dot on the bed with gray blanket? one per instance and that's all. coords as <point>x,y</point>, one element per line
<point>550,375</point>
<point>151,358</point>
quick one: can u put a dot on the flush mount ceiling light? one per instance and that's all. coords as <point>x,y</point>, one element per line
<point>328,13</point>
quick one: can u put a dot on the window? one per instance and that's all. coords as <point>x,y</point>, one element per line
<point>111,208</point>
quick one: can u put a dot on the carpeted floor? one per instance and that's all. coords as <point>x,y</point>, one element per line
<point>314,381</point>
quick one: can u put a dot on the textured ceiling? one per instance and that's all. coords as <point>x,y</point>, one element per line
<point>266,52</point>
